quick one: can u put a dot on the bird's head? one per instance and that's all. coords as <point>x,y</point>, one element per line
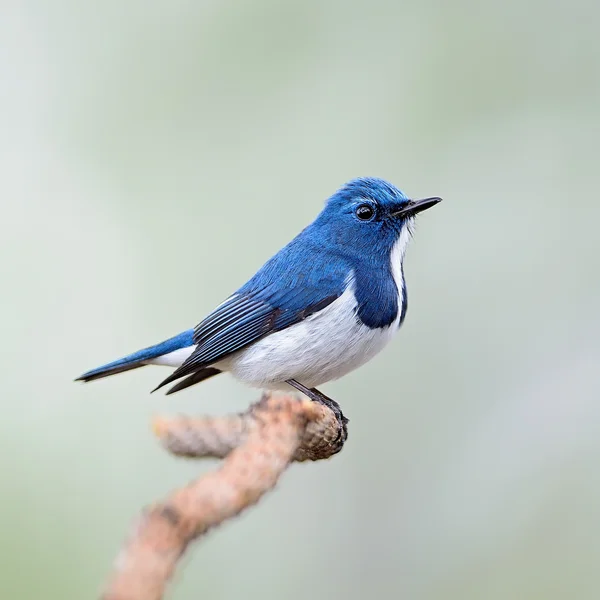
<point>369,213</point>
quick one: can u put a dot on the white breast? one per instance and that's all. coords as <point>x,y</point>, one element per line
<point>397,256</point>
<point>323,347</point>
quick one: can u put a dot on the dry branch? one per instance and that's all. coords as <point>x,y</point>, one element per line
<point>257,446</point>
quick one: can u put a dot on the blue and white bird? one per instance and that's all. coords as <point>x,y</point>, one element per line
<point>324,305</point>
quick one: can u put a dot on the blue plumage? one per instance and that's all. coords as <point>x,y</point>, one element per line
<point>341,278</point>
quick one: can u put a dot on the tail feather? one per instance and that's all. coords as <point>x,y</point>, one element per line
<point>106,370</point>
<point>140,358</point>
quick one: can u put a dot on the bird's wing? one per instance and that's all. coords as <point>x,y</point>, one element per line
<point>239,321</point>
<point>275,298</point>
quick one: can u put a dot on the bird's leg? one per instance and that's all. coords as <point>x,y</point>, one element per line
<point>316,396</point>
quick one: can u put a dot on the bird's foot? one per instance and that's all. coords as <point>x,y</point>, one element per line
<point>316,396</point>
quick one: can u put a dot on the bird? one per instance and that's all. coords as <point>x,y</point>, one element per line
<point>321,307</point>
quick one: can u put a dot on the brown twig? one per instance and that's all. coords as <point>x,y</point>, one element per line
<point>257,446</point>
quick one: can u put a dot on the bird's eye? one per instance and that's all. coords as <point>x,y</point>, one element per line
<point>365,212</point>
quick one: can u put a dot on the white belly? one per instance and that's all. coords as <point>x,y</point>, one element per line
<point>323,347</point>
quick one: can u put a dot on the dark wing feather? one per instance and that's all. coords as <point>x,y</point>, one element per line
<point>193,379</point>
<point>239,321</point>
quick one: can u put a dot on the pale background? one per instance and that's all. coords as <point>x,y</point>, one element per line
<point>154,154</point>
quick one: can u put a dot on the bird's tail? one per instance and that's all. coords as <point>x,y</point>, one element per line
<point>141,357</point>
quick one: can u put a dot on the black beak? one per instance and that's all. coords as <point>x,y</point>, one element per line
<point>416,206</point>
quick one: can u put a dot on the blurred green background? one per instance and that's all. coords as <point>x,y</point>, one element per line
<point>154,155</point>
